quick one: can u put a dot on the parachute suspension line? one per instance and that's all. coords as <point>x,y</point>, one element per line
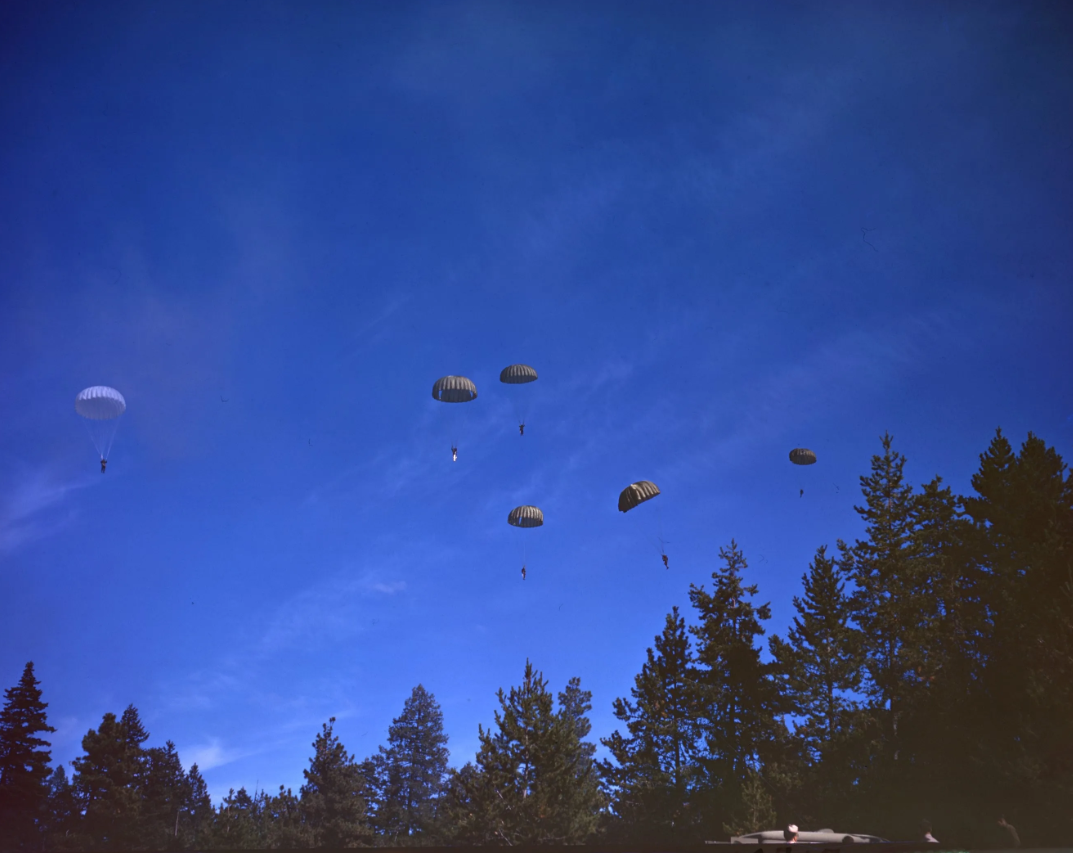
<point>659,519</point>
<point>102,434</point>
<point>93,437</point>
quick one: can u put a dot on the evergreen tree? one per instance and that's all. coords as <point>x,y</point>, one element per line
<point>24,759</point>
<point>1023,530</point>
<point>936,729</point>
<point>464,812</point>
<point>286,824</point>
<point>737,698</point>
<point>197,812</point>
<point>756,811</point>
<point>108,779</point>
<point>536,783</point>
<point>413,770</point>
<point>373,772</point>
<point>574,705</point>
<point>62,829</point>
<point>891,606</point>
<point>241,823</point>
<point>819,662</point>
<point>650,775</point>
<point>165,794</point>
<point>818,667</point>
<point>331,799</point>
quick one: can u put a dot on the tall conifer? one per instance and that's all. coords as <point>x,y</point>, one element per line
<point>737,698</point>
<point>535,783</point>
<point>649,776</point>
<point>108,781</point>
<point>818,667</point>
<point>890,603</point>
<point>24,759</point>
<point>413,770</point>
<point>332,797</point>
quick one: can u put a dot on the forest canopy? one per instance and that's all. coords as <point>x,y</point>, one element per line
<point>926,676</point>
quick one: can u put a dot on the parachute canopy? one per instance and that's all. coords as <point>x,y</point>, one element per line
<point>100,403</point>
<point>525,516</point>
<point>636,494</point>
<point>101,407</point>
<point>802,456</point>
<point>454,389</point>
<point>517,374</point>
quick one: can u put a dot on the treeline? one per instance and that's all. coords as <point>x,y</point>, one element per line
<point>927,675</point>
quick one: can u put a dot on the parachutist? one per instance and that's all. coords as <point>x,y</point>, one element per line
<point>521,429</point>
<point>802,494</point>
<point>454,454</point>
<point>103,463</point>
<point>523,572</point>
<point>666,564</point>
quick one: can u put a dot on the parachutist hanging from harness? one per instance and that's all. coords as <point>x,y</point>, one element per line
<point>665,563</point>
<point>100,407</point>
<point>454,389</point>
<point>802,494</point>
<point>525,517</point>
<point>518,374</point>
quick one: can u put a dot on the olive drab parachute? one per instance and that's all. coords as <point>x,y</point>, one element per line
<point>518,374</point>
<point>454,389</point>
<point>100,407</point>
<point>802,456</point>
<point>525,516</point>
<point>636,494</point>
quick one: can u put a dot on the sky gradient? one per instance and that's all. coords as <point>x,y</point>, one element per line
<point>718,231</point>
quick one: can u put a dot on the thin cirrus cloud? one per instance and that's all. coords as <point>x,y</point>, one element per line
<point>34,507</point>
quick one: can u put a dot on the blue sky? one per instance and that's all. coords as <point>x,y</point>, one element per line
<point>718,231</point>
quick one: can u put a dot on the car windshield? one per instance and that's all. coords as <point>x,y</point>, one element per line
<point>535,423</point>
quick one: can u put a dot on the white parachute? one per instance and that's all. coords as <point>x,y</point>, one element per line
<point>100,408</point>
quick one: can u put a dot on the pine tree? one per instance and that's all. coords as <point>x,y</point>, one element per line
<point>464,812</point>
<point>737,698</point>
<point>373,772</point>
<point>413,770</point>
<point>575,704</point>
<point>332,797</point>
<point>650,775</point>
<point>756,812</point>
<point>197,812</point>
<point>108,779</point>
<point>24,759</point>
<point>535,783</point>
<point>285,822</point>
<point>937,727</point>
<point>891,606</point>
<point>241,823</point>
<point>817,667</point>
<point>165,793</point>
<point>1023,532</point>
<point>62,827</point>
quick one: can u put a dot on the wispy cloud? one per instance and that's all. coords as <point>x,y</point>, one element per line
<point>213,754</point>
<point>31,509</point>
